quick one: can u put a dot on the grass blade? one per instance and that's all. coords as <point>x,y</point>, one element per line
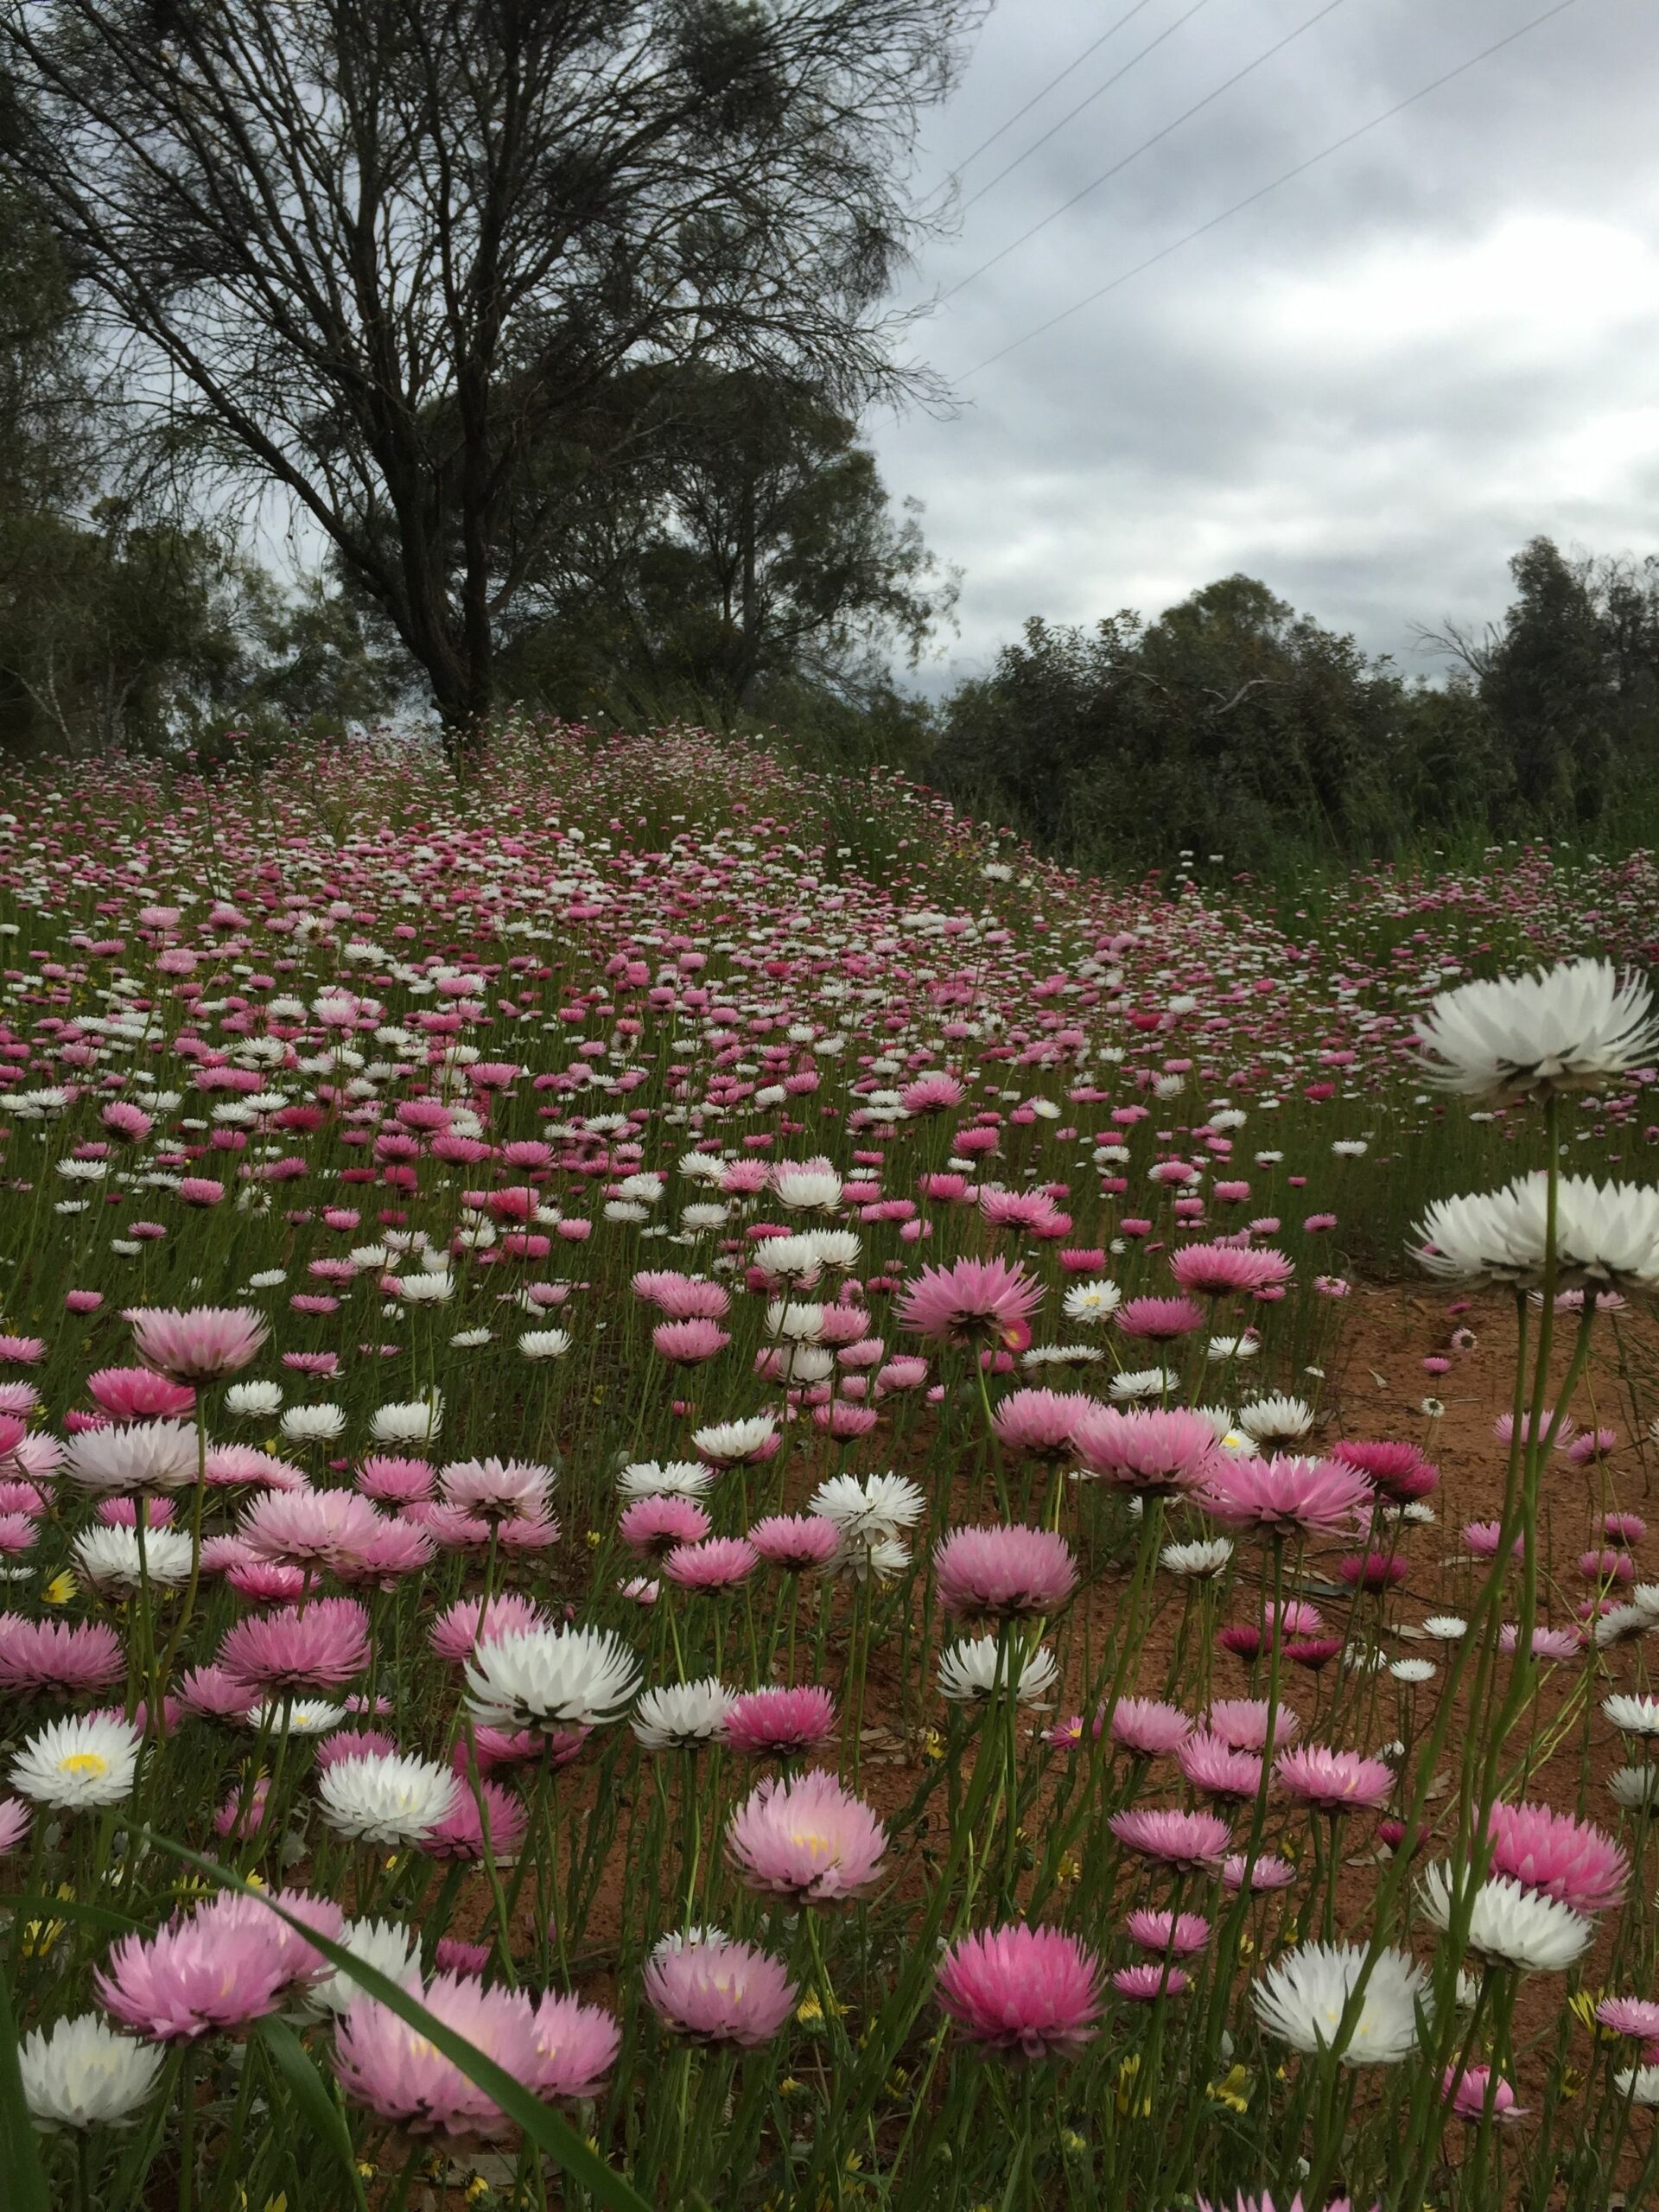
<point>22,2178</point>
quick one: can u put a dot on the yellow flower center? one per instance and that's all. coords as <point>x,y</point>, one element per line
<point>84,1763</point>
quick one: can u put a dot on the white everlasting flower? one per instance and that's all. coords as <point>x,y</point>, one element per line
<point>678,1478</point>
<point>700,1215</point>
<point>837,1247</point>
<point>1233,1348</point>
<point>85,1760</point>
<point>682,1715</point>
<point>144,1455</point>
<point>1639,2084</point>
<point>469,1340</point>
<point>871,1558</point>
<point>1092,1303</point>
<point>980,1667</point>
<point>867,1509</point>
<point>1633,1716</point>
<point>312,1716</point>
<point>1414,1670</point>
<point>426,1289</point>
<point>796,1320</point>
<point>1301,2000</point>
<point>108,1558</point>
<point>1607,1235</point>
<point>1277,1420</point>
<point>729,1443</point>
<point>789,1259</point>
<point>386,1797</point>
<point>253,1401</point>
<point>1509,1926</point>
<point>545,1343</point>
<point>1635,1789</point>
<point>313,1424</point>
<point>1567,1027</point>
<point>1143,1383</point>
<point>268,1279</point>
<point>1621,1624</point>
<point>797,1363</point>
<point>82,2074</point>
<point>1646,1594</point>
<point>810,1186</point>
<point>701,1167</point>
<point>551,1678</point>
<point>1200,1562</point>
<point>417,1423</point>
<point>387,1945</point>
<point>1446,1627</point>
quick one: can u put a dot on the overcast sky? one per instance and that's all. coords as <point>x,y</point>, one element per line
<point>1368,389</point>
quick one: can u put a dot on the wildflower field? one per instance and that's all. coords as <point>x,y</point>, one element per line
<point>715,1494</point>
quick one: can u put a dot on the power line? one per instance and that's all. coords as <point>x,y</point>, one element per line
<point>1071,115</point>
<point>1286,177</point>
<point>1146,145</point>
<point>1093,47</point>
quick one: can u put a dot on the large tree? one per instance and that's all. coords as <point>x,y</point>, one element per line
<point>379,252</point>
<point>750,555</point>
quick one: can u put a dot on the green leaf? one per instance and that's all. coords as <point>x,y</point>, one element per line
<point>22,2179</point>
<point>312,2093</point>
<point>548,2130</point>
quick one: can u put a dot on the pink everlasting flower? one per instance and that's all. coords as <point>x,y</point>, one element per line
<point>459,1834</point>
<point>200,1345</point>
<point>230,1961</point>
<point>796,1541</point>
<point>1190,1841</point>
<point>324,1528</point>
<point>1268,1871</point>
<point>457,1632</point>
<point>63,1658</point>
<point>1220,1270</point>
<point>1332,1781</point>
<point>319,1647</point>
<point>1215,1770</point>
<point>1148,1451</point>
<point>393,1481</point>
<point>392,2068</point>
<point>972,1301</point>
<point>1243,1721</point>
<point>1399,1471</point>
<point>808,1838</point>
<point>1470,2092</point>
<point>712,1990</point>
<point>1148,1727</point>
<point>1159,1320</point>
<point>688,1343</point>
<point>1029,1993</point>
<point>576,2045</point>
<point>1637,2017</point>
<point>1561,1857</point>
<point>495,1489</point>
<point>14,1817</point>
<point>716,1563</point>
<point>1177,1936</point>
<point>1039,1424</point>
<point>781,1723</point>
<point>139,1393</point>
<point>1285,1495</point>
<point>651,1526</point>
<point>1145,1985</point>
<point>1004,1574</point>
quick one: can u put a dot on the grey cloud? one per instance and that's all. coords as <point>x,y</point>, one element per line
<point>1369,388</point>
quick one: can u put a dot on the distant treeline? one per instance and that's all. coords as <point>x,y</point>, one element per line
<point>1233,725</point>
